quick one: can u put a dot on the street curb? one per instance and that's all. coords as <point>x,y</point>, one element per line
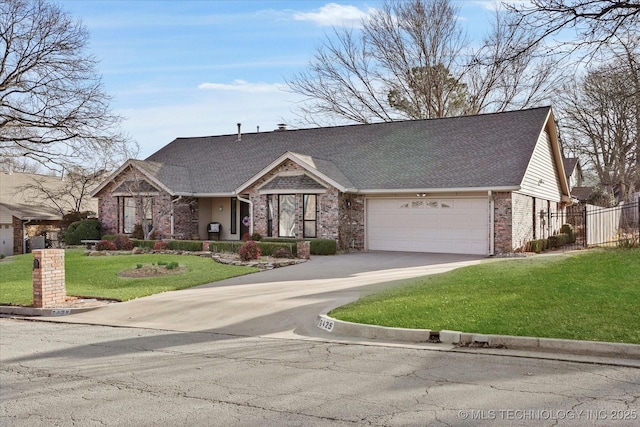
<point>8,310</point>
<point>462,339</point>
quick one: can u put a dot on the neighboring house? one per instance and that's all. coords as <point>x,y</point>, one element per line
<point>575,178</point>
<point>473,185</point>
<point>25,213</point>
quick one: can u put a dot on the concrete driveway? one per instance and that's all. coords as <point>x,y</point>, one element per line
<point>275,302</point>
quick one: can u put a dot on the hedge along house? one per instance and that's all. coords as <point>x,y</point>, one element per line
<point>478,184</point>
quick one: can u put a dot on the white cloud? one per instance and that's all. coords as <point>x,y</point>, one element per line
<point>243,86</point>
<point>334,15</point>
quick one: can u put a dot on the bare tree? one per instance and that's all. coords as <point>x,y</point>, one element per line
<point>412,60</point>
<point>602,119</point>
<point>52,106</point>
<point>10,165</point>
<point>499,80</point>
<point>595,22</point>
<point>391,69</point>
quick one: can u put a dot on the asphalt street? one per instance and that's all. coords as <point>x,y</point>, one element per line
<point>58,374</point>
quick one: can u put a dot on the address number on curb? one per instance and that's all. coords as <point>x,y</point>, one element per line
<point>326,324</point>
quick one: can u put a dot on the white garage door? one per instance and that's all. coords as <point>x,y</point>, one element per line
<point>457,226</point>
<point>6,239</point>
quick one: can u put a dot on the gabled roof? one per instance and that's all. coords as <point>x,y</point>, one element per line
<point>487,151</point>
<point>570,164</point>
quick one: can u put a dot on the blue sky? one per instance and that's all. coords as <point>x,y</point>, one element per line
<point>196,68</point>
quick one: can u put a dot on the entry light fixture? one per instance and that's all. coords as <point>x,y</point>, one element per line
<point>421,194</point>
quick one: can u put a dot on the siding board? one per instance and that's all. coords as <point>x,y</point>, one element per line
<point>541,177</point>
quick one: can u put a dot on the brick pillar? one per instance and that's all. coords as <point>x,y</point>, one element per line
<point>304,249</point>
<point>48,278</point>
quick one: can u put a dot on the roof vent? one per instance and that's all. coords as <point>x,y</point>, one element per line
<point>282,126</point>
<point>239,133</point>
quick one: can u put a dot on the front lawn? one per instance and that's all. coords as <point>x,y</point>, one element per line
<point>592,295</point>
<point>97,276</point>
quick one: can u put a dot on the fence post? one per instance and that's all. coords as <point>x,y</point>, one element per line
<point>586,228</point>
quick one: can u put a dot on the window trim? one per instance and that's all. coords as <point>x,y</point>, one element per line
<point>305,221</point>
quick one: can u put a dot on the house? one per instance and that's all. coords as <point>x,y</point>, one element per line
<point>26,214</point>
<point>478,184</point>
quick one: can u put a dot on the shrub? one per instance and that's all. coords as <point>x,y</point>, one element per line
<point>537,246</point>
<point>105,245</point>
<point>569,231</point>
<point>160,245</point>
<point>146,244</point>
<point>628,242</point>
<point>256,237</point>
<point>185,245</point>
<point>281,252</point>
<point>323,247</point>
<point>558,240</point>
<point>137,232</point>
<point>249,251</point>
<point>268,248</point>
<point>225,246</point>
<point>111,237</point>
<point>123,243</point>
<point>171,265</point>
<point>71,217</point>
<point>88,229</point>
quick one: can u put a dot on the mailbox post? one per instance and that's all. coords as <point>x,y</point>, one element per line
<point>48,278</point>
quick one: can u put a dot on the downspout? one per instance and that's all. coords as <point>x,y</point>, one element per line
<point>24,241</point>
<point>242,199</point>
<point>172,220</point>
<point>492,231</point>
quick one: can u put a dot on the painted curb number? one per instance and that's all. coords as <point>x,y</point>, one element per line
<point>326,324</point>
<point>60,311</point>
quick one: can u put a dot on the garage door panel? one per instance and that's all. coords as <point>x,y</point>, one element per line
<point>428,225</point>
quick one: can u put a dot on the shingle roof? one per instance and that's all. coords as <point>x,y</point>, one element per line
<point>481,151</point>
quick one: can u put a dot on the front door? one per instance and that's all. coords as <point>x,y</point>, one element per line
<point>244,219</point>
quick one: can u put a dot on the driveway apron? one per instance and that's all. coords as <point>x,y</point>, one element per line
<point>277,301</point>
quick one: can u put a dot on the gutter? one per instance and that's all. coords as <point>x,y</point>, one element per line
<point>440,190</point>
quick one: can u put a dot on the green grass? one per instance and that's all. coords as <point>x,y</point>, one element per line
<point>592,295</point>
<point>98,276</point>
